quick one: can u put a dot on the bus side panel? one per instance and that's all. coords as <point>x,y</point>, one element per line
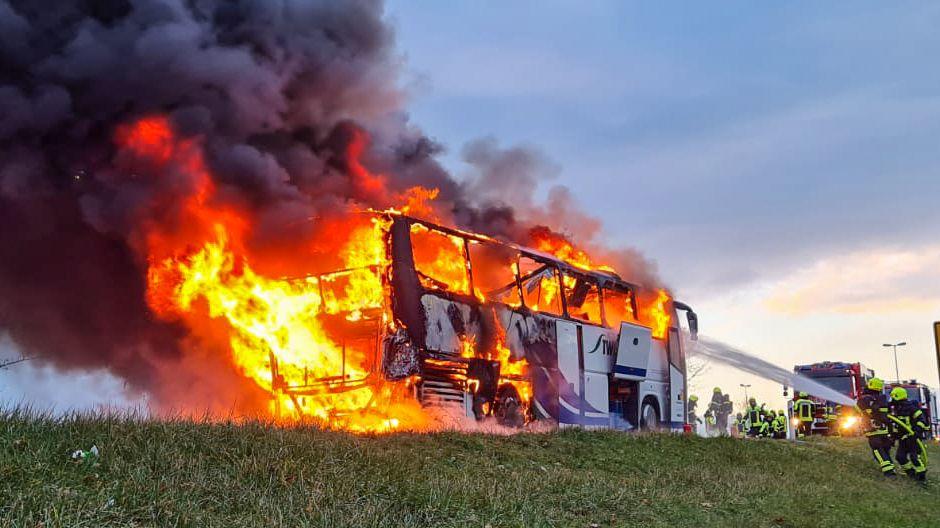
<point>582,395</point>
<point>659,362</point>
<point>448,322</point>
<point>569,381</point>
<point>599,345</point>
<point>533,337</point>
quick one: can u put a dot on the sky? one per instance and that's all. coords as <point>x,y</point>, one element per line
<point>778,163</point>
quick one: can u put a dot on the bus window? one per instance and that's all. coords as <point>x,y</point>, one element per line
<point>493,268</point>
<point>540,288</point>
<point>618,306</point>
<point>352,290</point>
<point>582,299</point>
<point>439,260</point>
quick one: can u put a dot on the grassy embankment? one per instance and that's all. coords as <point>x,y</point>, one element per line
<point>180,473</point>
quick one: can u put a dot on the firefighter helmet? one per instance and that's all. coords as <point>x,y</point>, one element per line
<point>716,390</point>
<point>898,394</point>
<point>803,394</point>
<point>876,384</point>
<point>693,398</point>
<point>752,401</point>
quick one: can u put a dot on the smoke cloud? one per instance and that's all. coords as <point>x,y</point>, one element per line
<point>286,100</point>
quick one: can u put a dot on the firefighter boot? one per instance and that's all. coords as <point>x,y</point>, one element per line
<point>885,464</point>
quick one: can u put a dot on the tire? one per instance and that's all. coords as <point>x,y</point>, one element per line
<point>508,408</point>
<point>649,416</point>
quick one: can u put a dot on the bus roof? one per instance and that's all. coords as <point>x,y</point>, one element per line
<point>601,276</point>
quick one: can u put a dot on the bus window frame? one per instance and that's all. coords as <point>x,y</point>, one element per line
<point>559,267</point>
<point>543,266</point>
<point>623,288</point>
<point>515,272</point>
<point>587,278</point>
<point>465,251</point>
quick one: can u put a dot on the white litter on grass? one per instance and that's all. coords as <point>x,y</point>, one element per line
<point>92,453</point>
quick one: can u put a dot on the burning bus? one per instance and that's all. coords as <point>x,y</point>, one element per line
<point>382,321</point>
<point>425,317</point>
<point>492,329</point>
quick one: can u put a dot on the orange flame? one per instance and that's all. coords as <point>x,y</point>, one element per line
<point>656,314</point>
<point>548,241</point>
<point>282,333</point>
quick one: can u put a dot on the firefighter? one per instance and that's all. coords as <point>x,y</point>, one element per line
<point>709,422</point>
<point>832,419</point>
<point>780,425</point>
<point>740,425</point>
<point>873,407</point>
<point>693,403</point>
<point>715,405</point>
<point>804,409</point>
<point>753,417</point>
<point>725,410</point>
<point>766,427</point>
<point>909,427</point>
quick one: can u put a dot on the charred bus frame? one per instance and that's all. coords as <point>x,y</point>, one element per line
<point>587,371</point>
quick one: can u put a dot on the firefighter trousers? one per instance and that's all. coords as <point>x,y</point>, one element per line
<point>804,429</point>
<point>912,457</point>
<point>880,445</point>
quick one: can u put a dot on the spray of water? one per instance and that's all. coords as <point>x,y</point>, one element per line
<point>733,357</point>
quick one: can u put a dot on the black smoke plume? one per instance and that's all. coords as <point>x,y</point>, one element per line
<point>275,89</point>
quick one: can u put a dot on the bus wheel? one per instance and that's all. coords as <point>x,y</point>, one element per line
<point>649,416</point>
<point>508,408</point>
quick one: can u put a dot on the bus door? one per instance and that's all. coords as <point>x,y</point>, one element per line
<point>583,398</point>
<point>676,411</point>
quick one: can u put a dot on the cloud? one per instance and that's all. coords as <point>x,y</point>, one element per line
<point>752,200</point>
<point>878,281</point>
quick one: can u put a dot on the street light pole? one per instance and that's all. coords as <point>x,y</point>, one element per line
<point>895,346</point>
<point>746,399</point>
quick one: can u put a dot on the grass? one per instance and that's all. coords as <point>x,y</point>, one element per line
<point>184,473</point>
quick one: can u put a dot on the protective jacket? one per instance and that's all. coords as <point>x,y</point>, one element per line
<point>873,406</point>
<point>754,419</point>
<point>803,409</point>
<point>908,420</point>
<point>909,425</point>
<point>780,426</point>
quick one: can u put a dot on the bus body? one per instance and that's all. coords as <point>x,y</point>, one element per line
<point>457,334</point>
<point>847,378</point>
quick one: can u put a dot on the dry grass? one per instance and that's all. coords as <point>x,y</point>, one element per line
<point>184,473</point>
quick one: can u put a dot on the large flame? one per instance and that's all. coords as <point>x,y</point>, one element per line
<point>282,332</point>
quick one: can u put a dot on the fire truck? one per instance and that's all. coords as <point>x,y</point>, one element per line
<point>925,398</point>
<point>831,418</point>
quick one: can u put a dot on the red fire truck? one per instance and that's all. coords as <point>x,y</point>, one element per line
<point>830,418</point>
